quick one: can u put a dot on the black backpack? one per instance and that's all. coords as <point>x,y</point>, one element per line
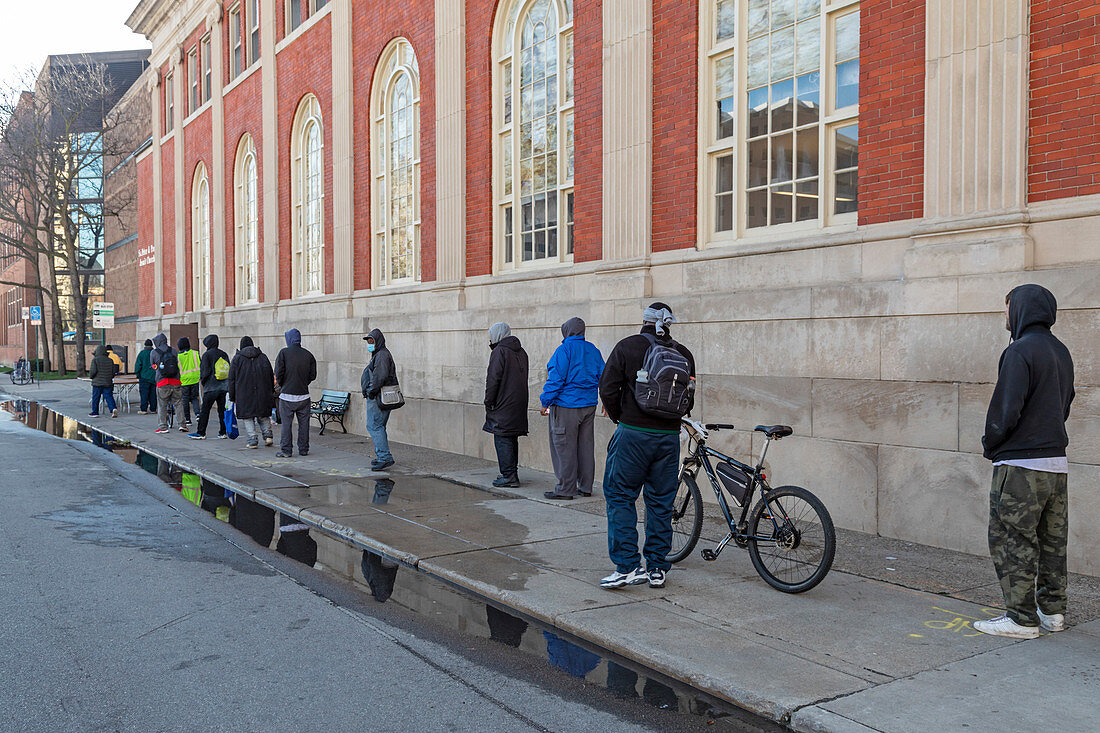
<point>169,366</point>
<point>664,386</point>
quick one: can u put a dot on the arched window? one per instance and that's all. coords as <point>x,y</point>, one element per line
<point>780,135</point>
<point>533,115</point>
<point>307,154</point>
<point>200,239</point>
<point>247,210</point>
<point>395,110</point>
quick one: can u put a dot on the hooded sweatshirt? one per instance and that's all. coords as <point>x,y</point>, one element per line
<point>573,372</point>
<point>1030,405</point>
<point>620,375</point>
<point>103,369</point>
<point>380,371</point>
<point>206,365</point>
<point>295,368</point>
<point>164,355</point>
<point>189,362</point>
<point>251,382</point>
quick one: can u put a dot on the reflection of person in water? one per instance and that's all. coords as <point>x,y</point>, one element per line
<point>295,542</point>
<point>504,627</point>
<point>569,657</point>
<point>380,574</point>
<point>622,680</point>
<point>382,489</point>
<point>255,520</point>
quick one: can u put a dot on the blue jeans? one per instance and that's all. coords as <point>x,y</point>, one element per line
<point>106,393</point>
<point>646,463</point>
<point>376,426</point>
<point>148,396</point>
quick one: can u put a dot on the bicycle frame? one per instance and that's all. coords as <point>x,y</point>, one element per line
<point>700,458</point>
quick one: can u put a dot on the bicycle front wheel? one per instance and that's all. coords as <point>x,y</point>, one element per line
<point>687,518</point>
<point>793,539</point>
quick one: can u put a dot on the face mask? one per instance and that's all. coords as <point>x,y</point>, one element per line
<point>370,348</point>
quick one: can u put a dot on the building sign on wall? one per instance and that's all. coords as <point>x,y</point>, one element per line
<point>145,256</point>
<point>103,315</point>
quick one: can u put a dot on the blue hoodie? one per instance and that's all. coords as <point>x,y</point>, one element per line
<point>573,372</point>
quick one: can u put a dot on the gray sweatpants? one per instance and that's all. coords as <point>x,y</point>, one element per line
<point>572,448</point>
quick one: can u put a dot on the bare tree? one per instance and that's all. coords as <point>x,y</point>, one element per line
<point>53,143</point>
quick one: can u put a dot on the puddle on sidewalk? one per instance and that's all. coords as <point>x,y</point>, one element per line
<point>387,581</point>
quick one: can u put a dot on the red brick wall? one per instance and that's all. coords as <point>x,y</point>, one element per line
<point>588,130</point>
<point>243,107</point>
<point>197,147</point>
<point>373,27</point>
<point>891,110</point>
<point>479,136</point>
<point>675,123</point>
<point>145,203</point>
<point>304,67</point>
<point>1064,140</point>
<point>168,227</point>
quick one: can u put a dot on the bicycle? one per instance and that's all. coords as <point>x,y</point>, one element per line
<point>788,532</point>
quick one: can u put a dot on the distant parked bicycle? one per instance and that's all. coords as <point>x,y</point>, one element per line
<point>21,374</point>
<point>788,532</point>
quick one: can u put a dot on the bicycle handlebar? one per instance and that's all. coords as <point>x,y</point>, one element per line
<point>719,426</point>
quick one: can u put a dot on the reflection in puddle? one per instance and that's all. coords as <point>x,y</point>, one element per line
<point>412,590</point>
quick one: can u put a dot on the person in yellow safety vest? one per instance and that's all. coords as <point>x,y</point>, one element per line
<point>189,379</point>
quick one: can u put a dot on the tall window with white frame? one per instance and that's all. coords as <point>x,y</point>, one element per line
<point>200,239</point>
<point>169,103</point>
<point>307,159</point>
<point>236,41</point>
<point>194,81</point>
<point>247,209</point>
<point>781,121</point>
<point>533,116</point>
<point>207,69</point>
<point>395,109</point>
<point>253,17</point>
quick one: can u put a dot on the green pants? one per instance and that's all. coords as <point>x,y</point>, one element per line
<point>1028,530</point>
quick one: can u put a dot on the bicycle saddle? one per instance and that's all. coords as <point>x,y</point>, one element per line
<point>774,431</point>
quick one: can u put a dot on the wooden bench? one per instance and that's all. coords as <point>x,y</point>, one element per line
<point>331,408</point>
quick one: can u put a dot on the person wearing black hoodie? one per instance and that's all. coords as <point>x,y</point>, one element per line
<point>506,397</point>
<point>213,389</point>
<point>380,372</point>
<point>295,369</point>
<point>252,391</point>
<point>643,457</point>
<point>1025,438</point>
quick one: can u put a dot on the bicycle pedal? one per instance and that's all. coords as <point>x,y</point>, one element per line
<point>709,555</point>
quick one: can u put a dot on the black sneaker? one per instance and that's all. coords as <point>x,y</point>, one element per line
<point>555,495</point>
<point>506,482</point>
<point>280,454</point>
<point>303,453</point>
<point>656,578</point>
<point>381,465</point>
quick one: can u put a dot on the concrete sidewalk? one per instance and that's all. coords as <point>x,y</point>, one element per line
<point>884,643</point>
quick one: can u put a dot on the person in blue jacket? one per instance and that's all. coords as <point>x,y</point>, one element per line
<point>569,398</point>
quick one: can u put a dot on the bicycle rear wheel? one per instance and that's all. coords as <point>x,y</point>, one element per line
<point>687,518</point>
<point>794,552</point>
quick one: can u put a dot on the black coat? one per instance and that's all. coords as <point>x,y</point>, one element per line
<point>103,369</point>
<point>380,371</point>
<point>620,374</point>
<point>1030,405</point>
<point>251,383</point>
<point>506,395</point>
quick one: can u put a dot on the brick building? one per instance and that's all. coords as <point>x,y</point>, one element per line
<point>833,195</point>
<point>122,246</point>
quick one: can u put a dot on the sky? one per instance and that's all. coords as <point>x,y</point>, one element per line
<point>31,30</point>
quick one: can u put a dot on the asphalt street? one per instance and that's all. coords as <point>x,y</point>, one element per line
<point>124,608</point>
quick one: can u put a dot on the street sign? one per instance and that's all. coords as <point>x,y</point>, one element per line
<point>26,313</point>
<point>103,315</point>
<point>36,315</point>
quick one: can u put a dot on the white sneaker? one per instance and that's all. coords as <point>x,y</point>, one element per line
<point>1004,626</point>
<point>1053,622</point>
<point>636,576</point>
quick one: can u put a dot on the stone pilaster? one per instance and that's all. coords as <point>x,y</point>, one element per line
<point>343,163</point>
<point>218,172</point>
<point>269,155</point>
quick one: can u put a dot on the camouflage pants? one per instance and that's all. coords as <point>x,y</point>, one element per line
<point>1028,529</point>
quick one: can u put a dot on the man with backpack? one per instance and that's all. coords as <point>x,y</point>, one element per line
<point>166,365</point>
<point>213,376</point>
<point>147,379</point>
<point>189,381</point>
<point>648,384</point>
